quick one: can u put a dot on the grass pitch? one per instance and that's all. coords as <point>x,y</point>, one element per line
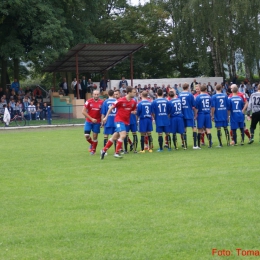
<point>58,202</point>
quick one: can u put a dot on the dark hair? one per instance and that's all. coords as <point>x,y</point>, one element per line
<point>144,94</point>
<point>203,88</point>
<point>159,92</point>
<point>171,94</point>
<point>110,93</point>
<point>129,89</point>
<point>218,87</point>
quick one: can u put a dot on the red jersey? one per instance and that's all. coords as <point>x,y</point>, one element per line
<point>240,94</point>
<point>124,109</point>
<point>94,109</point>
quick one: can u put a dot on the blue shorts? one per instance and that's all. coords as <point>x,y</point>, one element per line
<point>177,125</point>
<point>221,123</point>
<point>204,120</point>
<point>163,129</point>
<point>145,125</point>
<point>91,127</point>
<point>132,127</point>
<point>189,123</point>
<point>120,127</point>
<point>236,125</point>
<point>109,130</point>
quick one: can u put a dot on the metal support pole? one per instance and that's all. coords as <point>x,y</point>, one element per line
<point>131,69</point>
<point>77,75</point>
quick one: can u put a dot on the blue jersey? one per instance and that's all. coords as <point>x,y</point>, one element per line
<point>188,102</point>
<point>235,106</point>
<point>161,109</point>
<point>105,107</point>
<point>220,103</point>
<point>175,108</point>
<point>144,109</point>
<point>203,103</point>
<point>133,120</point>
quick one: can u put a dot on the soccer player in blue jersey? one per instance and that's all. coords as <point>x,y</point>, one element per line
<point>144,113</point>
<point>176,121</point>
<point>160,111</point>
<point>109,126</point>
<point>188,106</point>
<point>219,113</point>
<point>236,109</point>
<point>202,112</point>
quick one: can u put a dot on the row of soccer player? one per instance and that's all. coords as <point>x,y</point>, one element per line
<point>119,116</point>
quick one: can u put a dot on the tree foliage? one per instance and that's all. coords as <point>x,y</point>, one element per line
<point>185,38</point>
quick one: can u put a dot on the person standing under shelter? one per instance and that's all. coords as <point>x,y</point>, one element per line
<point>83,87</point>
<point>122,82</point>
<point>64,86</point>
<point>103,84</point>
<point>89,86</point>
<point>73,86</point>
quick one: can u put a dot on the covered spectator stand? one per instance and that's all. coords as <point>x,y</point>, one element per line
<point>93,58</point>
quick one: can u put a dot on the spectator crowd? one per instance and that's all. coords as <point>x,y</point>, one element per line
<point>26,102</point>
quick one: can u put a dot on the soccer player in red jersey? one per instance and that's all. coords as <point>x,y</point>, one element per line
<point>124,106</point>
<point>92,113</point>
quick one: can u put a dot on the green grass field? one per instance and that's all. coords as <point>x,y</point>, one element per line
<point>58,202</point>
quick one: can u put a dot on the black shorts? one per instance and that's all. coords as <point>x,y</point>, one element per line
<point>255,120</point>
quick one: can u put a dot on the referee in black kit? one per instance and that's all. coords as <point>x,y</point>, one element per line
<point>254,106</point>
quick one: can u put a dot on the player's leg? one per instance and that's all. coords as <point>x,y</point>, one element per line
<point>150,142</point>
<point>209,136</point>
<point>242,131</point>
<point>113,139</point>
<point>181,131</point>
<point>130,143</point>
<point>246,131</point>
<point>94,144</point>
<point>105,139</point>
<point>135,139</point>
<point>142,143</point>
<point>126,141</point>
<point>254,121</point>
<point>146,142</point>
<point>227,135</point>
<point>87,131</point>
<point>159,130</point>
<point>200,125</point>
<point>168,137</point>
<point>202,137</point>
<point>195,137</point>
<point>234,132</point>
<point>119,144</point>
<point>96,131</point>
<point>231,136</point>
<point>165,141</point>
<point>219,135</point>
<point>174,139</point>
<point>208,126</point>
<point>160,141</point>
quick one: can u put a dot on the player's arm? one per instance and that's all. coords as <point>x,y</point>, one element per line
<point>245,107</point>
<point>195,113</point>
<point>85,113</point>
<point>108,113</point>
<point>249,108</point>
<point>212,113</point>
